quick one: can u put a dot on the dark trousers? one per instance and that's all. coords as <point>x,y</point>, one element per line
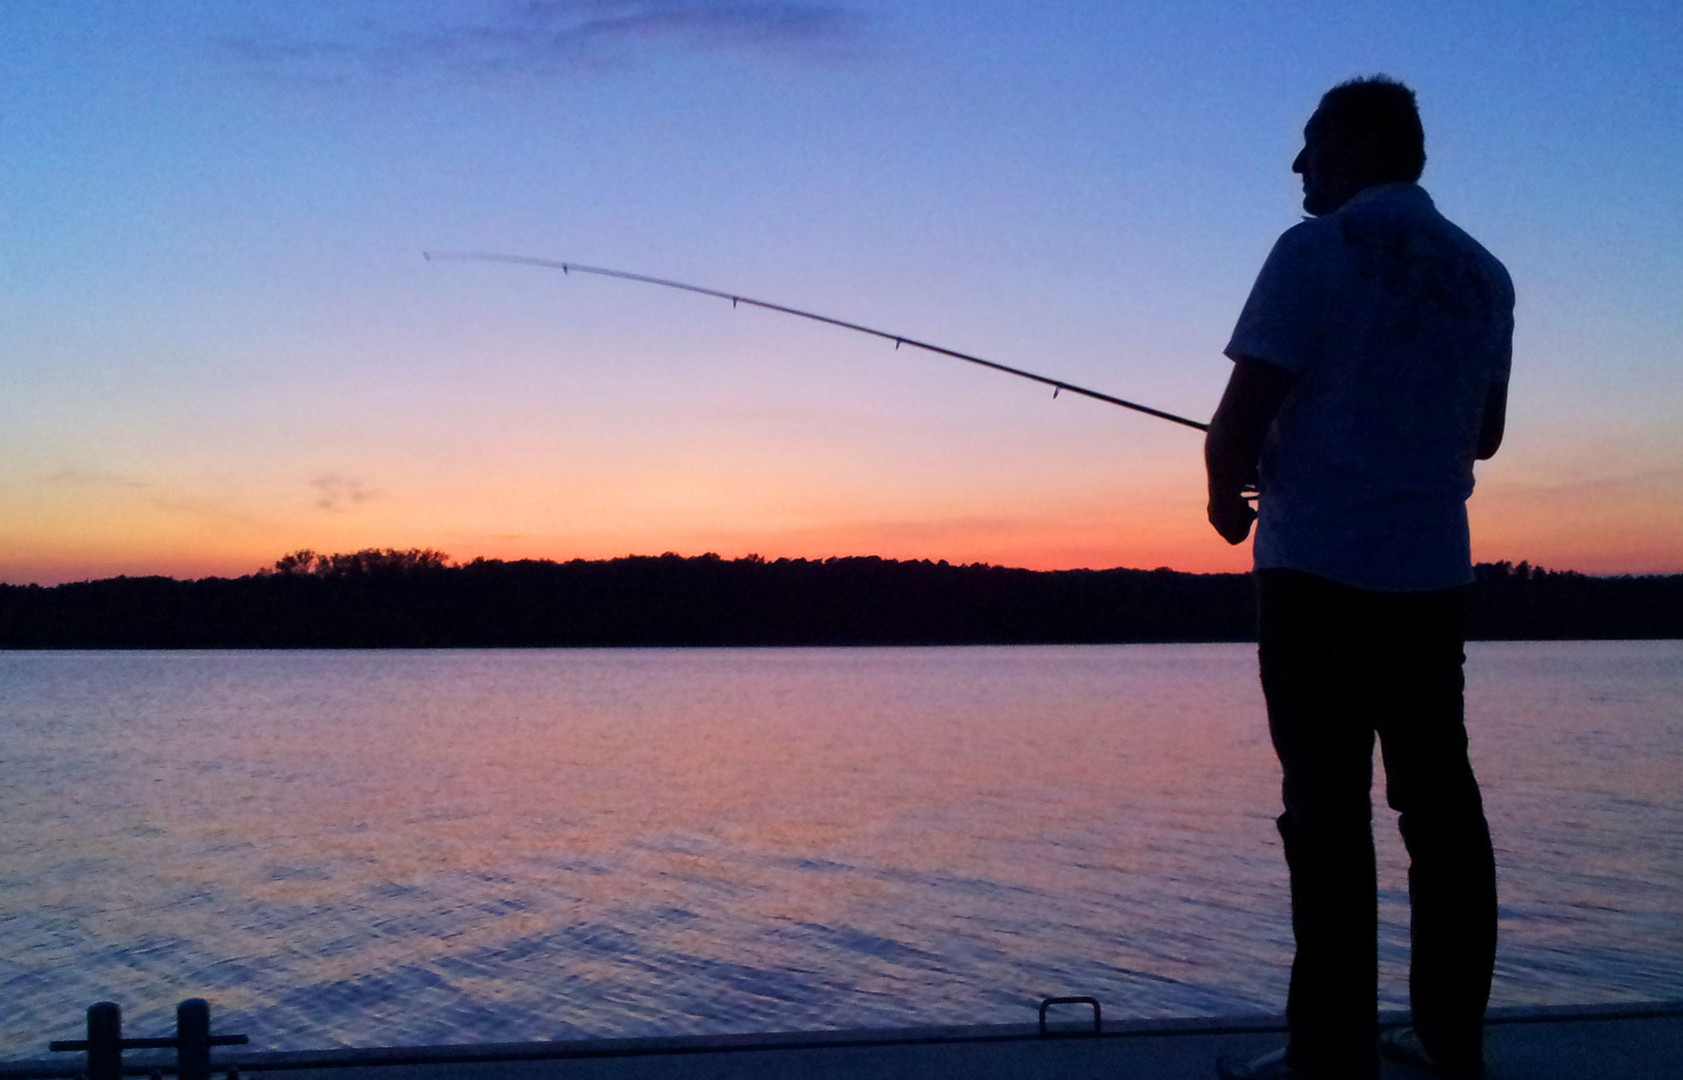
<point>1340,665</point>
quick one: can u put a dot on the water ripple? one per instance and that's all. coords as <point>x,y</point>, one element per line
<point>381,848</point>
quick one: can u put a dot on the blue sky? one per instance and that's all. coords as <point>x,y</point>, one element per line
<point>218,341</point>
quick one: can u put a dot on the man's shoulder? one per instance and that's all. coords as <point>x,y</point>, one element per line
<point>1306,235</point>
<point>1300,248</point>
<point>1408,206</point>
<point>1396,233</point>
<point>1473,249</point>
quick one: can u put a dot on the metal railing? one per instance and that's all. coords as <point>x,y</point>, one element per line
<point>192,1041</point>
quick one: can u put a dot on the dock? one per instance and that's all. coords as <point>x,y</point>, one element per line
<point>1642,1041</point>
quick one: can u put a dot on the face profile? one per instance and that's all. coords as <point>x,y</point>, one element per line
<point>1329,178</point>
<point>1363,134</point>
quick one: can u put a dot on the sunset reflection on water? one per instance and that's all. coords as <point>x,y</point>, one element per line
<point>377,848</point>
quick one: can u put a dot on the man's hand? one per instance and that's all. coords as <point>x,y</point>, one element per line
<point>1232,517</point>
<point>1254,394</point>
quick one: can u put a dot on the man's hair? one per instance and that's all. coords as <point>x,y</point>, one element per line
<point>1383,109</point>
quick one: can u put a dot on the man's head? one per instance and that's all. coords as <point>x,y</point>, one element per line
<point>1366,132</point>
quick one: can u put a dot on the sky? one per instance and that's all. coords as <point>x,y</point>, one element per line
<point>219,342</point>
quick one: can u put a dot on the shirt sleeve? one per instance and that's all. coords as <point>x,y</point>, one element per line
<point>1281,320</point>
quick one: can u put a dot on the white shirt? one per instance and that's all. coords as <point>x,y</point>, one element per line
<point>1396,324</point>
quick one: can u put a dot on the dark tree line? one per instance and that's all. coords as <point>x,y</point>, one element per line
<point>416,599</point>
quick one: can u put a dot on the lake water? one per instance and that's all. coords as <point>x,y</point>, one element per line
<point>373,848</point>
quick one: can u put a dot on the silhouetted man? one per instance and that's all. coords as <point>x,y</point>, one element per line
<point>1370,369</point>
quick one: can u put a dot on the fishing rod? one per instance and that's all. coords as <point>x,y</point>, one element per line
<point>1057,385</point>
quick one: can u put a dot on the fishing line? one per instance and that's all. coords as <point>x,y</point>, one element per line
<point>1057,385</point>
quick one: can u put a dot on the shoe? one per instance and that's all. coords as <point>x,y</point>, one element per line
<point>1267,1067</point>
<point>1403,1044</point>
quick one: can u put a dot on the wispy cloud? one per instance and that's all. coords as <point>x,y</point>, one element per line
<point>543,38</point>
<point>335,492</point>
<point>207,499</point>
<point>70,476</point>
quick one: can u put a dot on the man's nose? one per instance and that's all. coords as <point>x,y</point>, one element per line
<point>1297,162</point>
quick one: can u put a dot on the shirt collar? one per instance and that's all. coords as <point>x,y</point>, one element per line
<point>1398,192</point>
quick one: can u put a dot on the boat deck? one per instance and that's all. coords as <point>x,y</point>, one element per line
<point>1629,1042</point>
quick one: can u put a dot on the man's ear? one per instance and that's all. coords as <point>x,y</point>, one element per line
<point>1367,154</point>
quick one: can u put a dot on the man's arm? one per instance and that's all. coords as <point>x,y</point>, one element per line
<point>1254,393</point>
<point>1495,421</point>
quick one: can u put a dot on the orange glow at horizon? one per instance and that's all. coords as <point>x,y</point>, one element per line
<point>1591,533</point>
<point>1045,489</point>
